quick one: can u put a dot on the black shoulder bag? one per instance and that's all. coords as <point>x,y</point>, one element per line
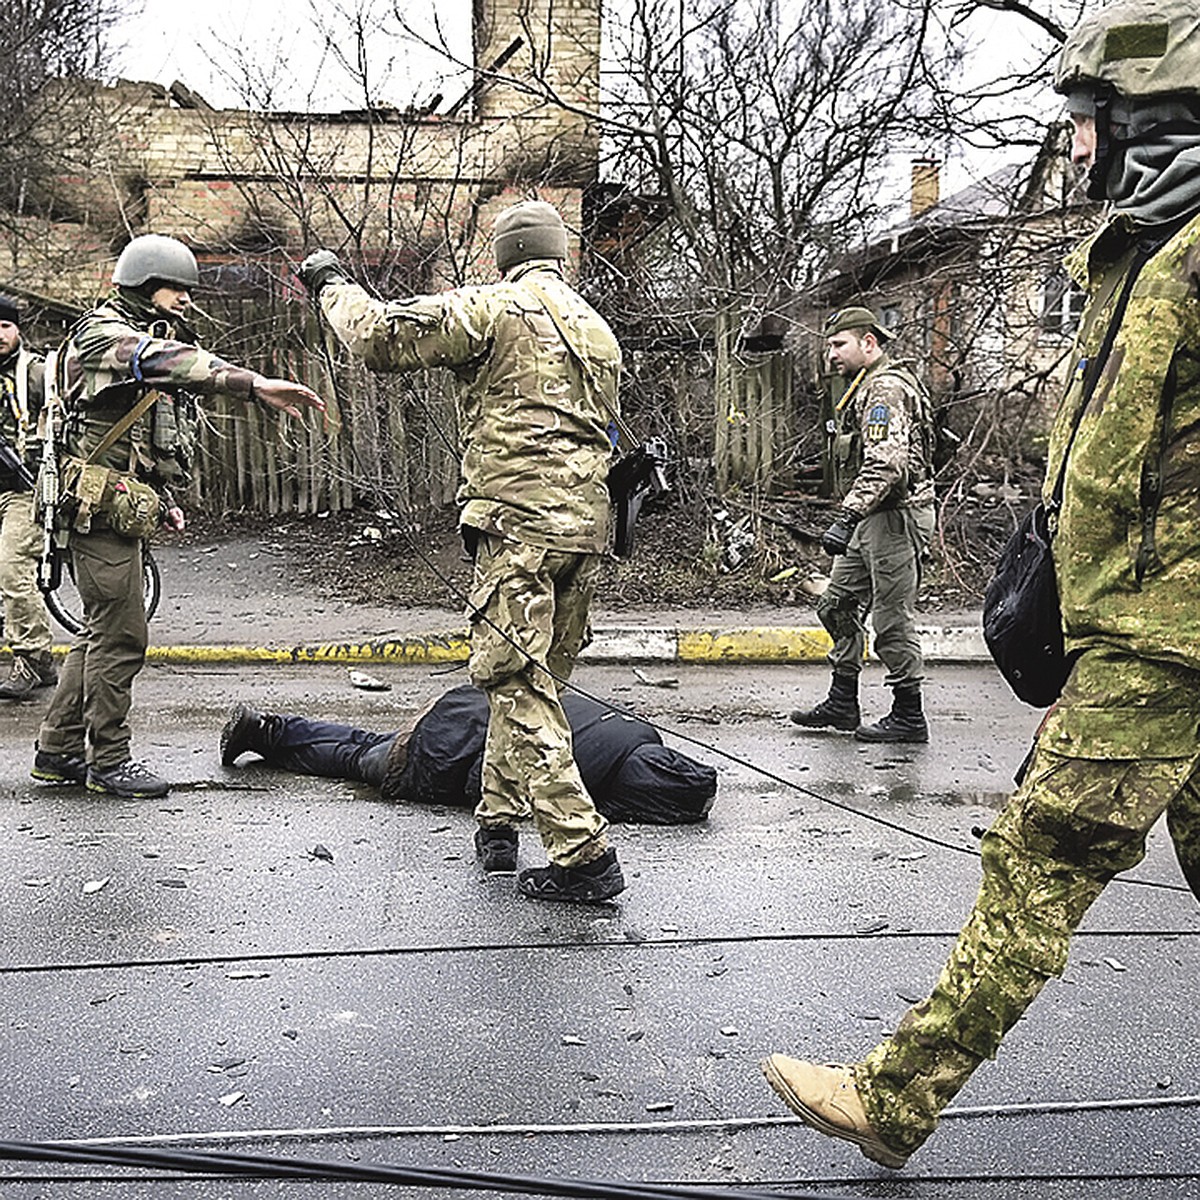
<point>1022,616</point>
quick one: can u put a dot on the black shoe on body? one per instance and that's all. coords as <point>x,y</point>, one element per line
<point>59,768</point>
<point>130,780</point>
<point>839,710</point>
<point>496,849</point>
<point>905,723</point>
<point>241,733</point>
<point>591,883</point>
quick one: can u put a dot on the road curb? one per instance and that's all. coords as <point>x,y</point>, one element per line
<point>611,644</point>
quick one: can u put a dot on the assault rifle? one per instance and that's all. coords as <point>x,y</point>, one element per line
<point>12,464</point>
<point>49,574</point>
<point>634,478</point>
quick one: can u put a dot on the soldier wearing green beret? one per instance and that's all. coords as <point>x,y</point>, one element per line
<point>882,448</point>
<point>1121,746</point>
<point>539,370</point>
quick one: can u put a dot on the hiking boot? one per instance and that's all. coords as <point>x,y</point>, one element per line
<point>839,710</point>
<point>496,849</point>
<point>591,883</point>
<point>825,1098</point>
<point>905,723</point>
<point>28,673</point>
<point>129,780</point>
<point>242,732</point>
<point>59,768</point>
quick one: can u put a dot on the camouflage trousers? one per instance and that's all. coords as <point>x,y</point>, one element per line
<point>529,617</point>
<point>1118,751</point>
<point>881,574</point>
<point>26,622</point>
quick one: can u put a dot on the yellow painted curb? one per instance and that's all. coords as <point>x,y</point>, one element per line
<point>762,644</point>
<point>429,649</point>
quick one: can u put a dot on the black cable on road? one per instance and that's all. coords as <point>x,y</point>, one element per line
<point>258,1166</point>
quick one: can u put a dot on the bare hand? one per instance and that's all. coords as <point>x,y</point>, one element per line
<point>286,396</point>
<point>173,518</point>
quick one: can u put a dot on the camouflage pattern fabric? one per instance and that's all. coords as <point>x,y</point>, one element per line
<point>112,357</point>
<point>534,413</point>
<point>530,616</point>
<point>1129,572</point>
<point>26,621</point>
<point>883,440</point>
<point>1121,747</point>
<point>21,435</point>
<point>879,573</point>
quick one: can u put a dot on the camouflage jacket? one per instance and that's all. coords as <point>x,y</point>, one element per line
<point>1127,548</point>
<point>21,395</point>
<point>534,410</point>
<point>882,440</point>
<point>111,359</point>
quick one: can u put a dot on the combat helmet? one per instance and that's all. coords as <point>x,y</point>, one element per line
<point>153,256</point>
<point>1139,51</point>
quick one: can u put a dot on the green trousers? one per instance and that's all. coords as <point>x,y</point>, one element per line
<point>529,617</point>
<point>90,710</point>
<point>879,574</point>
<point>1118,751</point>
<point>26,622</point>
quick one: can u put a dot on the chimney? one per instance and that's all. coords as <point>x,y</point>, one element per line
<point>925,186</point>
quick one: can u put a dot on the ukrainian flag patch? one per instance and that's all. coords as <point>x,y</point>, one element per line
<point>878,417</point>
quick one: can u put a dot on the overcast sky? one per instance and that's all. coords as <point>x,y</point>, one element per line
<point>172,40</point>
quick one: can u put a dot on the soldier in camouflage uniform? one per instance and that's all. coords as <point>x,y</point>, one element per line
<point>882,446</point>
<point>1120,747</point>
<point>26,622</point>
<point>133,347</point>
<point>540,370</point>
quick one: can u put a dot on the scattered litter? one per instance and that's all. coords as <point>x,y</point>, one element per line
<point>729,1031</point>
<point>570,1039</point>
<point>785,574</point>
<point>38,882</point>
<point>642,677</point>
<point>175,883</point>
<point>247,974</point>
<point>225,1064</point>
<point>95,885</point>
<point>1115,964</point>
<point>231,1098</point>
<point>661,1106</point>
<point>321,852</point>
<point>368,683</point>
<point>291,1034</point>
<point>635,1036</point>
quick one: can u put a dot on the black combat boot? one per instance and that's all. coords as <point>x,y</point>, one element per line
<point>839,710</point>
<point>244,731</point>
<point>905,723</point>
<point>29,672</point>
<point>590,883</point>
<point>496,849</point>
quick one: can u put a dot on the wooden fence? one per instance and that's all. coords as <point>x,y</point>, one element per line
<point>392,440</point>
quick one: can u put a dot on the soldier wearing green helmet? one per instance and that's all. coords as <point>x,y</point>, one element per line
<point>1121,747</point>
<point>125,379</point>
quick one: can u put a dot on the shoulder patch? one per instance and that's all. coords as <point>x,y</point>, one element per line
<point>878,418</point>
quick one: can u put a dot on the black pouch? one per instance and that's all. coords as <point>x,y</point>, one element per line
<point>1022,618</point>
<point>632,479</point>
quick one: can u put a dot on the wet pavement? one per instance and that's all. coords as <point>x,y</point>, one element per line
<point>268,963</point>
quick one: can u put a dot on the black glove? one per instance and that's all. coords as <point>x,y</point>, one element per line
<point>318,269</point>
<point>836,539</point>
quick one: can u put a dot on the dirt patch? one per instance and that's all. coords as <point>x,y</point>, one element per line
<point>695,557</point>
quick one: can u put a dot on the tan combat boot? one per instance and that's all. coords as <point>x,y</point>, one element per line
<point>825,1098</point>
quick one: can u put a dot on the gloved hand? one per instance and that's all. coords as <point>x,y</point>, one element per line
<point>836,539</point>
<point>318,269</point>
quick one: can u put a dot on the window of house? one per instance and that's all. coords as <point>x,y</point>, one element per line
<point>890,317</point>
<point>1062,306</point>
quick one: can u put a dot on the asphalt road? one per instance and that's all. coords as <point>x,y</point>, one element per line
<point>190,969</point>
